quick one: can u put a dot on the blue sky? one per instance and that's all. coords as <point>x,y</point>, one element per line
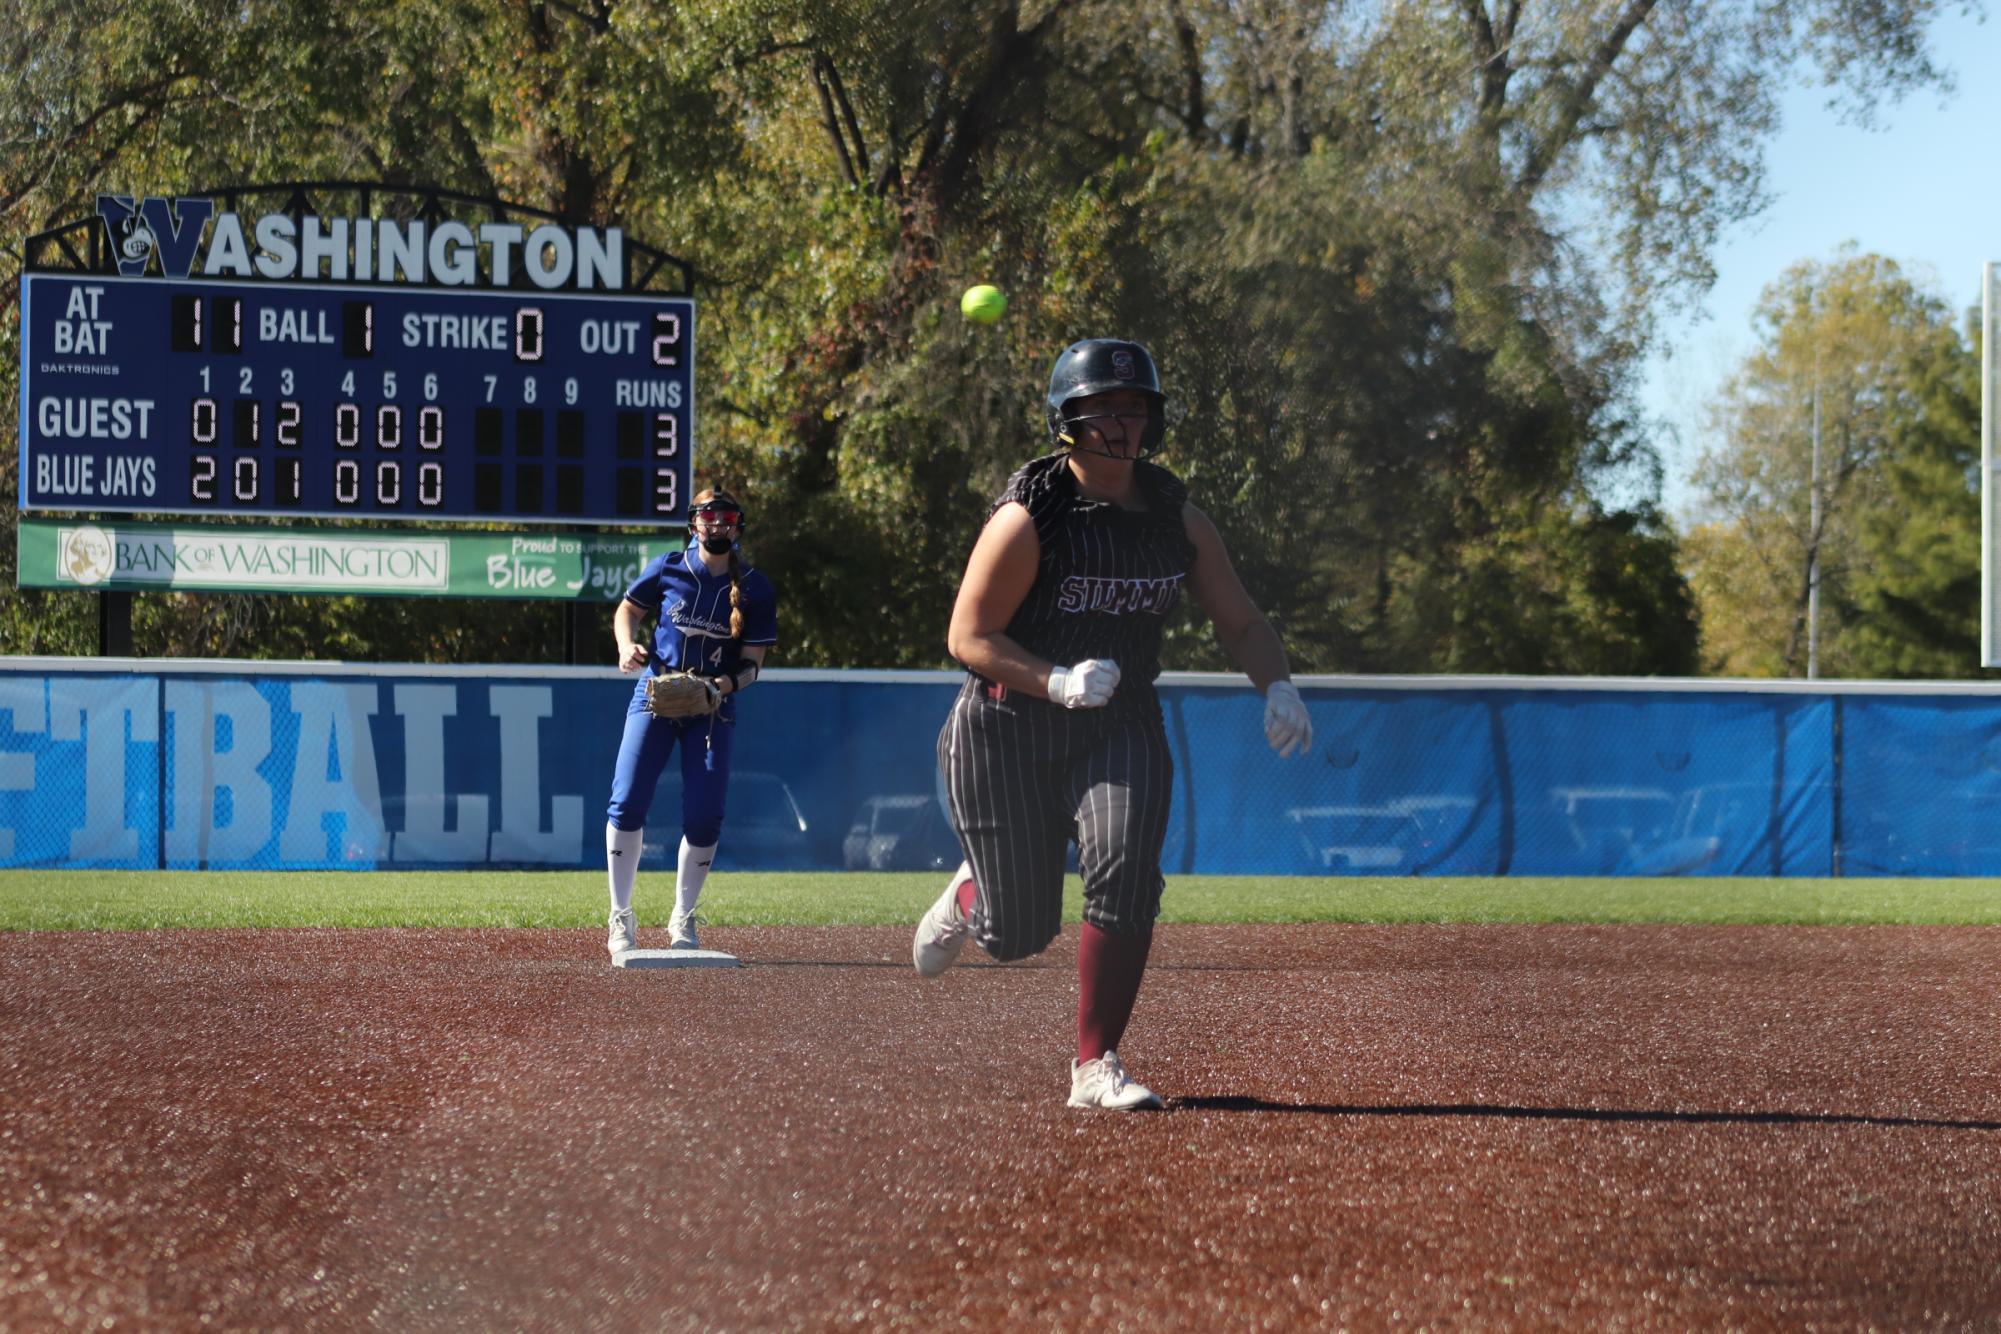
<point>1915,189</point>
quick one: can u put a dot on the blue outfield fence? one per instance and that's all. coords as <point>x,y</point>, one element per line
<point>327,766</point>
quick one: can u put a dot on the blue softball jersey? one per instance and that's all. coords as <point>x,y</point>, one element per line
<point>692,630</point>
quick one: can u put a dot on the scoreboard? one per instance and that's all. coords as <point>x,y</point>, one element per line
<point>281,400</point>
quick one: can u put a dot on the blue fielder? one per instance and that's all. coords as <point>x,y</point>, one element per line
<point>713,615</point>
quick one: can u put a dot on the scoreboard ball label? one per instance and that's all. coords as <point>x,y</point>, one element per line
<point>169,397</point>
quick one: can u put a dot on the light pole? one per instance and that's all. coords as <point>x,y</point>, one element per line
<point>1813,542</point>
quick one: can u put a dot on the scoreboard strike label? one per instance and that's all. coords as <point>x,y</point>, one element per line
<point>197,397</point>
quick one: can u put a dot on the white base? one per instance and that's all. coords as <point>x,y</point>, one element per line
<point>674,959</point>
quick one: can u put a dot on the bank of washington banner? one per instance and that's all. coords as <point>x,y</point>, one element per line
<point>135,557</point>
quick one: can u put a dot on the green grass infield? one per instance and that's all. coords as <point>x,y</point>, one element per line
<point>153,900</point>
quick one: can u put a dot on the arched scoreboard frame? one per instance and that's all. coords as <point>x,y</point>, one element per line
<point>356,351</point>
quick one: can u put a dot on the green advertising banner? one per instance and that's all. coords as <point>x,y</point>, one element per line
<point>135,557</point>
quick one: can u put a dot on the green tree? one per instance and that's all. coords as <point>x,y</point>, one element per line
<point>558,108</point>
<point>1744,600</point>
<point>1357,271</point>
<point>1917,597</point>
<point>1859,366</point>
<point>1351,232</point>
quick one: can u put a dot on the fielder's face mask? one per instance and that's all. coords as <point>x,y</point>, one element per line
<point>717,523</point>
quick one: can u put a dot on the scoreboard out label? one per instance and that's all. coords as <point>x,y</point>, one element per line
<point>190,397</point>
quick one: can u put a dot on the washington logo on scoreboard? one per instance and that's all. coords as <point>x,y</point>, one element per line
<point>169,228</point>
<point>184,235</point>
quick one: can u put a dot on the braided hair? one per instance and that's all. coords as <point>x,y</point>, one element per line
<point>721,499</point>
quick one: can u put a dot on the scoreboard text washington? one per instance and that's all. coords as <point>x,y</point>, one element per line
<point>202,397</point>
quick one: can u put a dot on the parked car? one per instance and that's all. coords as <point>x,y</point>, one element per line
<point>1612,829</point>
<point>1706,819</point>
<point>904,831</point>
<point>1356,838</point>
<point>1397,836</point>
<point>763,829</point>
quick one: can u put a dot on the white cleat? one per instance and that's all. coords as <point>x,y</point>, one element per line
<point>941,932</point>
<point>624,933</point>
<point>681,932</point>
<point>1103,1083</point>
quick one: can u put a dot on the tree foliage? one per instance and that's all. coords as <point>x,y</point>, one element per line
<point>1918,604</point>
<point>1351,233</point>
<point>1855,353</point>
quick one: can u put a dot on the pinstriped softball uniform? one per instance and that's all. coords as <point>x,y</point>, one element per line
<point>1023,775</point>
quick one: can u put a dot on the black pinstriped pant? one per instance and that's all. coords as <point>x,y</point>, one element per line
<point>1024,777</point>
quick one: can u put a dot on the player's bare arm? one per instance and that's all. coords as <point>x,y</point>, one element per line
<point>1241,628</point>
<point>1246,635</point>
<point>998,576</point>
<point>625,626</point>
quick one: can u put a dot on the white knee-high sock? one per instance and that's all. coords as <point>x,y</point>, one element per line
<point>621,856</point>
<point>690,876</point>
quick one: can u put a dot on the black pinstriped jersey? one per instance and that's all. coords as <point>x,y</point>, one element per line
<point>1108,577</point>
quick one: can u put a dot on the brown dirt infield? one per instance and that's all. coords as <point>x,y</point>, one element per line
<point>1372,1127</point>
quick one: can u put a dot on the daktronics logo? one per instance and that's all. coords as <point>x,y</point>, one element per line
<point>175,238</point>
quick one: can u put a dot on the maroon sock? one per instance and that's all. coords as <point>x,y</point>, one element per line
<point>967,889</point>
<point>1109,968</point>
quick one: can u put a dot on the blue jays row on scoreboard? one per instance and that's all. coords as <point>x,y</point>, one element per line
<point>200,397</point>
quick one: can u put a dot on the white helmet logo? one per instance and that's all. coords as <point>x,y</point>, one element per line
<point>1122,365</point>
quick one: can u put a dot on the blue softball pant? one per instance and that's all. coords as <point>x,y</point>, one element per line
<point>643,751</point>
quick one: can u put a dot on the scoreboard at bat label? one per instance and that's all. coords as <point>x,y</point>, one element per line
<point>264,399</point>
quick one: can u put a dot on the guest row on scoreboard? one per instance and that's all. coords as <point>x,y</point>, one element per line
<point>349,425</point>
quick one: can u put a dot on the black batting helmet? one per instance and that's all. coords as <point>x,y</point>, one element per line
<point>1099,366</point>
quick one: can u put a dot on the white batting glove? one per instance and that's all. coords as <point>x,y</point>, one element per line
<point>1088,685</point>
<point>1287,725</point>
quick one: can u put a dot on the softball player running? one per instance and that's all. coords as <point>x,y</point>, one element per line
<point>717,617</point>
<point>1057,732</point>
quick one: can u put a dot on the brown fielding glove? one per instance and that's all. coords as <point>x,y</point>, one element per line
<point>681,695</point>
